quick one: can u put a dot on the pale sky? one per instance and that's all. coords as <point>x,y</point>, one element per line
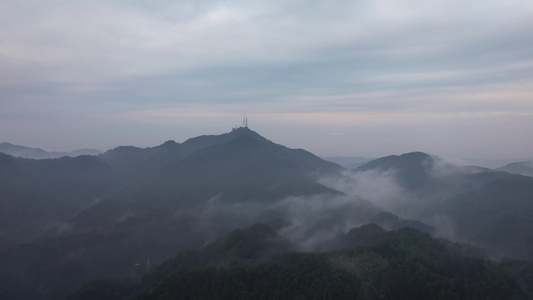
<point>348,78</point>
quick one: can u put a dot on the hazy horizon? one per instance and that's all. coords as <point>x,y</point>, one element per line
<point>343,160</point>
<point>342,78</point>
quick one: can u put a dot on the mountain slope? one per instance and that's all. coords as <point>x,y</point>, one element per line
<point>487,208</point>
<point>152,203</point>
<point>255,263</point>
<point>36,195</point>
<point>71,220</point>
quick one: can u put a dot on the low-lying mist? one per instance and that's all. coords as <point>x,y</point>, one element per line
<point>386,191</point>
<point>313,222</point>
<point>308,222</point>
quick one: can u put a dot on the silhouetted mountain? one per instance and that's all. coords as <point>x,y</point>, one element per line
<point>69,220</point>
<point>521,168</point>
<point>38,153</point>
<point>103,214</point>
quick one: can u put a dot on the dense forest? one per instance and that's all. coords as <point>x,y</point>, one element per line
<point>257,263</point>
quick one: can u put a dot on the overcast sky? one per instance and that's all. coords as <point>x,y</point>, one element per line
<point>349,78</point>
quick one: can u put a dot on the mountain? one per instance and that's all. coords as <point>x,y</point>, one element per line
<point>418,170</point>
<point>521,168</point>
<point>38,194</point>
<point>412,168</point>
<point>94,216</point>
<point>38,153</point>
<point>256,263</point>
<point>70,220</point>
<point>468,204</point>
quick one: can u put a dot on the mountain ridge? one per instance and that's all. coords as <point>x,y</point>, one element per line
<point>93,216</point>
<point>522,168</point>
<point>168,195</point>
<point>38,153</point>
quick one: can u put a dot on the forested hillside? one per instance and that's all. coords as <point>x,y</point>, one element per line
<point>256,263</point>
<point>71,220</point>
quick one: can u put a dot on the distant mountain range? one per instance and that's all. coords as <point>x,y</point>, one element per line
<point>69,220</point>
<point>521,168</point>
<point>38,153</point>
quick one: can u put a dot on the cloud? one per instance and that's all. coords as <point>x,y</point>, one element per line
<point>309,222</point>
<point>321,218</point>
<point>340,64</point>
<point>379,188</point>
<point>101,41</point>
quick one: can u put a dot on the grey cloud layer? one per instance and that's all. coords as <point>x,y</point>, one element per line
<point>99,41</point>
<point>402,60</point>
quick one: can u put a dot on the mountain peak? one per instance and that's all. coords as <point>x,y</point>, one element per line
<point>418,160</point>
<point>245,131</point>
<point>412,169</point>
<point>169,144</point>
<point>416,155</point>
<point>204,141</point>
